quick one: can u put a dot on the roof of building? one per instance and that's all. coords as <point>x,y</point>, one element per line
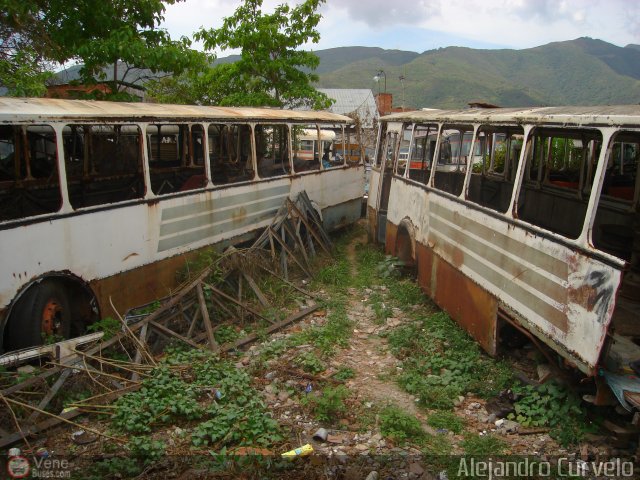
<point>352,102</point>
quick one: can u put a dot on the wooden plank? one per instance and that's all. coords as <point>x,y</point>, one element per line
<point>233,300</point>
<point>254,286</point>
<point>50,394</point>
<point>213,345</point>
<point>285,248</point>
<point>138,357</point>
<point>273,328</point>
<point>171,333</point>
<point>321,241</point>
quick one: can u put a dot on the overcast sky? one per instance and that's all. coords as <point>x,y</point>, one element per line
<point>420,25</point>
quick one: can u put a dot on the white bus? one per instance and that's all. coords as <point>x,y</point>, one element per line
<point>541,234</point>
<point>103,202</point>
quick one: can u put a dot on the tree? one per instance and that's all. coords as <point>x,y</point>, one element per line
<point>272,70</point>
<point>36,34</point>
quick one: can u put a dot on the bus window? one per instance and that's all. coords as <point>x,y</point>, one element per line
<point>403,154</point>
<point>176,161</point>
<point>29,183</point>
<point>103,164</point>
<point>422,151</point>
<point>455,144</point>
<point>558,178</point>
<point>613,228</point>
<point>272,150</point>
<point>312,146</point>
<point>230,153</point>
<point>495,161</point>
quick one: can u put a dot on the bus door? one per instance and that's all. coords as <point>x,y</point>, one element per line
<point>387,152</point>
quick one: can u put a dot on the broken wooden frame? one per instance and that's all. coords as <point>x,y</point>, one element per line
<point>215,298</point>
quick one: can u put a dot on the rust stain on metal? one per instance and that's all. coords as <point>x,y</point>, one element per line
<point>391,233</point>
<point>239,215</point>
<point>467,303</point>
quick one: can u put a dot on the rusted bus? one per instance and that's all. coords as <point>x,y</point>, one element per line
<point>132,190</point>
<point>502,239</point>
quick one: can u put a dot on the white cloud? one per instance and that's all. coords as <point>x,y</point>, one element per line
<point>386,13</point>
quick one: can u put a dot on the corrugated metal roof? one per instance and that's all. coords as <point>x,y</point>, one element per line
<point>42,109</point>
<point>571,115</point>
<point>358,101</point>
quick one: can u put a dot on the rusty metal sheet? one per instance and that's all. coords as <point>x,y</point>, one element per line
<point>50,109</point>
<point>607,115</point>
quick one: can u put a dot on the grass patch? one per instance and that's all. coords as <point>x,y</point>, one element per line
<point>344,373</point>
<point>310,363</point>
<point>446,420</point>
<point>483,446</point>
<point>329,405</point>
<point>440,361</point>
<point>400,426</point>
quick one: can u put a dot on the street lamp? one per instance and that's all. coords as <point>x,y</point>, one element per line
<point>377,79</point>
<point>401,78</point>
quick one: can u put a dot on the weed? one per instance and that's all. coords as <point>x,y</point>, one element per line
<point>329,404</point>
<point>400,426</point>
<point>389,267</point>
<point>552,405</point>
<point>381,309</point>
<point>310,363</point>
<point>344,373</point>
<point>109,325</point>
<point>226,334</point>
<point>446,420</point>
<point>336,273</point>
<point>146,449</point>
<point>334,333</point>
<point>440,361</point>
<point>116,467</point>
<point>406,293</point>
<point>483,446</point>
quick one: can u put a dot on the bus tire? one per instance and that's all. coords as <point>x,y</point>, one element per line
<point>42,312</point>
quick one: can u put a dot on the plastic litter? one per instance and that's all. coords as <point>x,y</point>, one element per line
<point>302,451</point>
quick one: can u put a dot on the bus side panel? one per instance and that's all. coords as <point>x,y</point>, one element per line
<point>337,192</point>
<point>562,295</point>
<point>372,203</point>
<point>467,303</point>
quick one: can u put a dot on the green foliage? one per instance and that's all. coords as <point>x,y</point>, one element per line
<point>164,397</point>
<point>146,449</point>
<point>344,373</point>
<point>552,405</point>
<point>271,70</point>
<point>440,361</point>
<point>446,420</point>
<point>381,309</point>
<point>225,334</point>
<point>334,333</point>
<point>368,257</point>
<point>97,34</point>
<point>329,404</point>
<point>337,273</point>
<point>406,293</point>
<point>400,426</point>
<point>110,326</point>
<point>483,446</point>
<point>389,267</point>
<point>116,467</point>
<point>239,421</point>
<point>310,363</point>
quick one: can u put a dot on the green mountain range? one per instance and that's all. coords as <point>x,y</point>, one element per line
<point>584,71</point>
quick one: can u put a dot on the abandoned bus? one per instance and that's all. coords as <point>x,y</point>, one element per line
<point>101,203</point>
<point>538,229</point>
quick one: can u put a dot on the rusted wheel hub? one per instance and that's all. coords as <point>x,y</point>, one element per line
<point>51,317</point>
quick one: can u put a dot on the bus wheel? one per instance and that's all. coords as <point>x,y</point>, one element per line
<point>42,313</point>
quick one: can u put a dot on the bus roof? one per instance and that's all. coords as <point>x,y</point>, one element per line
<point>610,115</point>
<point>49,109</point>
